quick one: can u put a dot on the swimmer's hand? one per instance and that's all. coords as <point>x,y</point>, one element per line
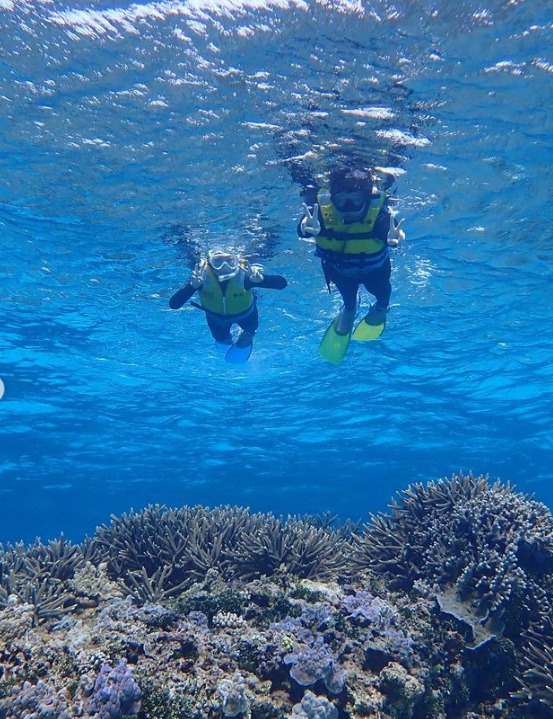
<point>395,233</point>
<point>254,273</point>
<point>310,224</point>
<point>197,278</point>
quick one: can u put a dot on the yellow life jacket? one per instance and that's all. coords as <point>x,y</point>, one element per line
<point>355,238</point>
<point>234,300</point>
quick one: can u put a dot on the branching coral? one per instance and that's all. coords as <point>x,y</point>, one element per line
<point>160,552</point>
<point>40,575</point>
<point>537,671</point>
<point>489,552</point>
<point>494,546</point>
<point>305,550</point>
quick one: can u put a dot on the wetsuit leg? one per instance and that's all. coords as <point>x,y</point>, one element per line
<point>347,286</point>
<point>250,323</point>
<point>378,284</point>
<point>220,328</point>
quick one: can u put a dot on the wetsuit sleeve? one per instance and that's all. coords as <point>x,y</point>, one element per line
<point>309,196</point>
<point>182,296</point>
<point>270,282</point>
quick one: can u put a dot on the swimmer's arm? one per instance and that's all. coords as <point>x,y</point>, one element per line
<point>182,296</point>
<point>269,282</point>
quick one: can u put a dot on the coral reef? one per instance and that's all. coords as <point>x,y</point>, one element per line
<point>439,610</point>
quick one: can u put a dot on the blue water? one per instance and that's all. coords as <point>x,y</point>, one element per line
<point>133,137</point>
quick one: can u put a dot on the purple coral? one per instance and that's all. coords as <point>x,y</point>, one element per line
<point>313,707</point>
<point>294,627</point>
<point>35,700</point>
<point>319,616</point>
<point>314,662</point>
<point>373,609</point>
<point>233,695</point>
<point>115,693</point>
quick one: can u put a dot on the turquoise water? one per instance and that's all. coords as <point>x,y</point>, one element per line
<point>134,137</point>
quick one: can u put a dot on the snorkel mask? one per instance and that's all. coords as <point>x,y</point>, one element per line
<point>225,264</point>
<point>350,191</point>
<point>350,201</point>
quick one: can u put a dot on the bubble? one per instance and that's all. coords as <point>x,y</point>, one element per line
<point>1,389</point>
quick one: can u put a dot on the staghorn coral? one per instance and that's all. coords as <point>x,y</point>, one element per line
<point>41,575</point>
<point>305,550</point>
<point>536,677</point>
<point>159,553</point>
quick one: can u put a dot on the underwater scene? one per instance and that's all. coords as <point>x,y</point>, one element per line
<point>276,359</point>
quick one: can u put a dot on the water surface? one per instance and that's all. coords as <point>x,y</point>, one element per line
<point>134,137</point>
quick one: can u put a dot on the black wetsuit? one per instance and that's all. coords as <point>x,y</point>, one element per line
<point>376,281</point>
<point>220,325</point>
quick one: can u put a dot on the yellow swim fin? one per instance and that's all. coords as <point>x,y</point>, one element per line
<point>334,346</point>
<point>365,332</point>
<point>371,326</point>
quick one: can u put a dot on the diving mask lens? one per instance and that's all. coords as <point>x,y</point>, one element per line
<point>221,262</point>
<point>349,201</point>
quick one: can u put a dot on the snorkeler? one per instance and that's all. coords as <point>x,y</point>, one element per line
<point>224,283</point>
<point>354,227</point>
